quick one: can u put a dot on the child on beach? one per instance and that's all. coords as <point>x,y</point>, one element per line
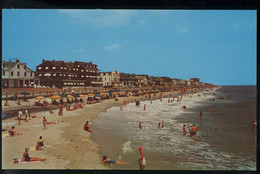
<point>111,161</point>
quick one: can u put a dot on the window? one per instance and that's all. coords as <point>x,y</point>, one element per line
<point>61,67</point>
<point>3,64</point>
<point>86,70</point>
<point>64,74</point>
<point>76,75</point>
<point>82,70</point>
<point>60,74</point>
<point>73,69</point>
<point>54,74</point>
<point>82,76</point>
<point>65,68</point>
<point>3,73</point>
<point>31,74</point>
<point>40,74</point>
<point>65,83</point>
<point>46,67</point>
<point>39,67</point>
<point>78,66</point>
<point>54,67</point>
<point>24,73</point>
<point>18,66</point>
<point>18,73</point>
<point>77,69</point>
<point>86,75</point>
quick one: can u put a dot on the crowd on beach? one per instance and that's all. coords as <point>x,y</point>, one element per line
<point>78,103</point>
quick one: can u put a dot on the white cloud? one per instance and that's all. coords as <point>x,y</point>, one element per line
<point>112,47</point>
<point>180,29</point>
<point>103,18</point>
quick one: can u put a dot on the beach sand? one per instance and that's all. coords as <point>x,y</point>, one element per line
<point>70,147</point>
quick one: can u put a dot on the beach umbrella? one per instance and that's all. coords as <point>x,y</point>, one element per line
<point>39,98</point>
<point>82,95</point>
<point>120,92</point>
<point>102,93</point>
<point>98,95</point>
<point>4,116</point>
<point>91,95</point>
<point>63,96</point>
<point>116,85</point>
<point>76,95</point>
<point>69,96</point>
<point>55,97</point>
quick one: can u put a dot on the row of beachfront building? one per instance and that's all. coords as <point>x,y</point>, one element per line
<point>63,74</point>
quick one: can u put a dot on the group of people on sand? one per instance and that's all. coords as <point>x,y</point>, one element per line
<point>27,158</point>
<point>192,130</point>
<point>25,114</point>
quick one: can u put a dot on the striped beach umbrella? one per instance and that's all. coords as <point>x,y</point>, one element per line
<point>91,95</point>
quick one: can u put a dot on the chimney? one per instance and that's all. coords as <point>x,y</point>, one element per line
<point>53,61</point>
<point>17,60</point>
<point>43,60</point>
<point>90,62</point>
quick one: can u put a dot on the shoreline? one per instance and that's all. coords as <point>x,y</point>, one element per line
<point>70,146</point>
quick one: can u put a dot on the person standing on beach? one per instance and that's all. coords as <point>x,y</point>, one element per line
<point>162,124</point>
<point>20,113</point>
<point>61,110</point>
<point>44,122</point>
<point>159,125</point>
<point>144,106</point>
<point>140,125</point>
<point>193,131</point>
<point>184,130</point>
<point>26,114</point>
<point>141,160</point>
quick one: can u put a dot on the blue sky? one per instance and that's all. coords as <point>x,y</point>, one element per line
<point>217,46</point>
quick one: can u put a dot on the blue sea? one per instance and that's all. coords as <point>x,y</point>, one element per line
<point>226,139</point>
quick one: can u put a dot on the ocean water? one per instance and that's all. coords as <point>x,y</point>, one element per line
<point>226,139</point>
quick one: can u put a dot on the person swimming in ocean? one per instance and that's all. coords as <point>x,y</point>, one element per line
<point>107,160</point>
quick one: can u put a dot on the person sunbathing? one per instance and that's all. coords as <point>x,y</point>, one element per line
<point>27,158</point>
<point>44,122</point>
<point>87,127</point>
<point>39,145</point>
<point>107,160</point>
<point>13,133</point>
<point>6,103</point>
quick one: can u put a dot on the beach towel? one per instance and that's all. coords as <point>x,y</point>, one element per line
<point>6,135</point>
<point>24,162</point>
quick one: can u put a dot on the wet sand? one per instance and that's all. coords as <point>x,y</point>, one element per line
<point>70,147</point>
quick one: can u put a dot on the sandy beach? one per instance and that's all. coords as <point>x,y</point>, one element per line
<point>69,146</point>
